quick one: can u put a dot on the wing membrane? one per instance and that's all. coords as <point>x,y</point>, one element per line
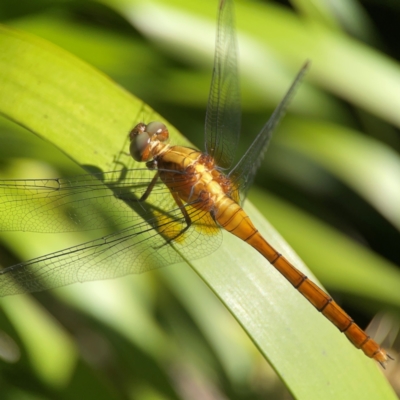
<point>153,235</point>
<point>222,125</point>
<point>78,203</point>
<point>243,173</point>
<point>150,244</point>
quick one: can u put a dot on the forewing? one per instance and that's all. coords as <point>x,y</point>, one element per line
<point>242,175</point>
<point>223,117</point>
<point>77,203</point>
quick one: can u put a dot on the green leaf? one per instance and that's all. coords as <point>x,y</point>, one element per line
<point>87,116</point>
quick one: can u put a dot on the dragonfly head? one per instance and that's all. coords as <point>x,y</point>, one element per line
<point>144,137</point>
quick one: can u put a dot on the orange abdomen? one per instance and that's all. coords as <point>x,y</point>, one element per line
<point>235,220</point>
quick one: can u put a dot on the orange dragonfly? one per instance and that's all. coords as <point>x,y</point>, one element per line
<point>182,199</point>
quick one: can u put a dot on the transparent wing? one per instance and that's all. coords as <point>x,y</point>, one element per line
<point>151,234</point>
<point>242,175</point>
<point>223,117</point>
<point>82,202</point>
<point>150,244</point>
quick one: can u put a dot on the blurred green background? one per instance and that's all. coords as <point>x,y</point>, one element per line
<point>330,184</point>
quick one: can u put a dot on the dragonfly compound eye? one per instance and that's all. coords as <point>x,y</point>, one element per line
<point>159,130</point>
<point>140,146</point>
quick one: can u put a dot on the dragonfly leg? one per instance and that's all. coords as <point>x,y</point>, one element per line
<point>174,236</point>
<point>181,206</point>
<point>129,197</point>
<point>146,194</point>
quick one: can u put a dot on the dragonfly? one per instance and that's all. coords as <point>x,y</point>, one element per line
<point>173,207</point>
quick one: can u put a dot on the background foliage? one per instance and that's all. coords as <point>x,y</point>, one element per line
<point>330,185</point>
